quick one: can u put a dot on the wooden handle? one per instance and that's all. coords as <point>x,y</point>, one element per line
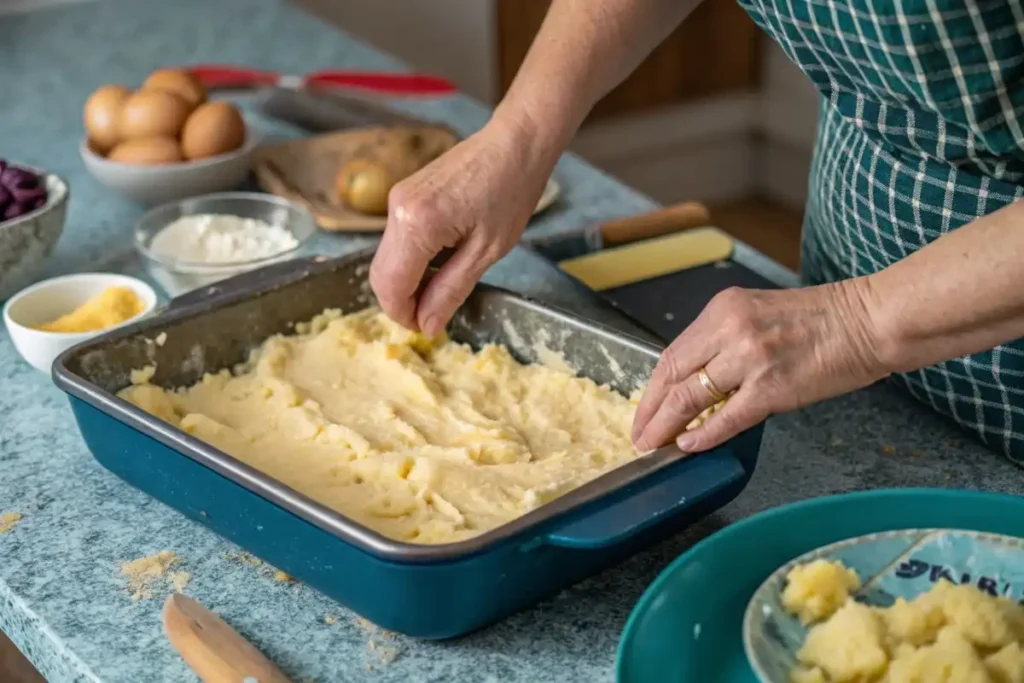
<point>214,650</point>
<point>656,223</point>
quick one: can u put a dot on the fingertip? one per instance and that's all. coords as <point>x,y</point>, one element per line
<point>432,326</point>
<point>688,442</point>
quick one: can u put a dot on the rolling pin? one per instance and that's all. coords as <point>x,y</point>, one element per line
<point>212,649</point>
<point>619,231</point>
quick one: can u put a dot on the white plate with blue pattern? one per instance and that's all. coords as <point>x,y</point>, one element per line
<point>894,564</point>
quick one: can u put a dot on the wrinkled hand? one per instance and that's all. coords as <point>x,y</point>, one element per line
<point>777,350</point>
<point>476,198</point>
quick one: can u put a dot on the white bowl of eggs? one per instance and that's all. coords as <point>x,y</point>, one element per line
<point>165,141</point>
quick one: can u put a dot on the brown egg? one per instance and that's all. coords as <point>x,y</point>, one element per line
<point>102,111</point>
<point>147,151</point>
<point>152,113</point>
<point>177,81</point>
<point>213,128</point>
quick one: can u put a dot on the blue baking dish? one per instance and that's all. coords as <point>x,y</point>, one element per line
<point>426,591</point>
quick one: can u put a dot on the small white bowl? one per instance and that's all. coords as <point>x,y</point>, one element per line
<point>155,184</point>
<point>178,276</point>
<point>49,300</point>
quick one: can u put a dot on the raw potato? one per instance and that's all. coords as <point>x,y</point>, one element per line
<point>213,128</point>
<point>951,634</point>
<point>147,151</point>
<point>363,182</point>
<point>364,185</point>
<point>177,81</point>
<point>152,113</point>
<point>101,115</point>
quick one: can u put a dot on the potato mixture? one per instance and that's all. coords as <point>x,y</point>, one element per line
<point>951,634</point>
<point>422,440</point>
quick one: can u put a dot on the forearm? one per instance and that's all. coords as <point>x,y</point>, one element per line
<point>583,50</point>
<point>962,294</point>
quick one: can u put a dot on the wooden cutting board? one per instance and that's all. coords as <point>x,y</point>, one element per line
<point>304,170</point>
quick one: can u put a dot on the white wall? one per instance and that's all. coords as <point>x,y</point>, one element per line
<point>452,38</point>
<point>789,114</point>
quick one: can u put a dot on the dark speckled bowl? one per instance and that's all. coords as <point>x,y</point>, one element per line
<point>26,241</point>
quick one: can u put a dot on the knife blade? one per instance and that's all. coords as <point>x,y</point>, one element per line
<point>619,231</point>
<point>321,111</point>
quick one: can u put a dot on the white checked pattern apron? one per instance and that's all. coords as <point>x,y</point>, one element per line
<point>920,133</point>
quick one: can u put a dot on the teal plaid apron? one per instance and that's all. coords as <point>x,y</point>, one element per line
<point>920,132</point>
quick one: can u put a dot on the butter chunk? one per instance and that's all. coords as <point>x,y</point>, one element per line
<point>1006,665</point>
<point>977,616</point>
<point>916,622</point>
<point>849,646</point>
<point>951,659</point>
<point>802,675</point>
<point>814,591</point>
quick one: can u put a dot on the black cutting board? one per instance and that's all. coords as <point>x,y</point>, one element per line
<point>665,305</point>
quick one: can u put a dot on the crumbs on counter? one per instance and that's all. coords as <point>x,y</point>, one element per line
<point>888,450</point>
<point>244,558</point>
<point>9,520</point>
<point>253,561</point>
<point>380,654</point>
<point>330,619</point>
<point>179,580</point>
<point>145,573</point>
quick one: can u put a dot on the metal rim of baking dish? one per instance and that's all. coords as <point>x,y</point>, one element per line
<point>274,277</point>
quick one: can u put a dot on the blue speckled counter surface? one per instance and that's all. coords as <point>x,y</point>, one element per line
<point>61,598</point>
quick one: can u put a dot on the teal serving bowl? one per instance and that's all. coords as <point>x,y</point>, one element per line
<point>893,564</point>
<point>688,625</point>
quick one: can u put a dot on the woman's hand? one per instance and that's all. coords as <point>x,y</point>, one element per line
<point>772,351</point>
<point>477,198</point>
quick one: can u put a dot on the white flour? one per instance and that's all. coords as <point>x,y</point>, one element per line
<point>221,238</point>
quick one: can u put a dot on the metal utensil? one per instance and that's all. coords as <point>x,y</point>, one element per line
<point>321,111</point>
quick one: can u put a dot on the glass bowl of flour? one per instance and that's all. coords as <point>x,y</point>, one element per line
<point>201,240</point>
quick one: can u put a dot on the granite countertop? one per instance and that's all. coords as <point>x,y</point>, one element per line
<point>62,600</point>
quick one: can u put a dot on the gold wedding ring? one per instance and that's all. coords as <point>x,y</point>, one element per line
<point>710,387</point>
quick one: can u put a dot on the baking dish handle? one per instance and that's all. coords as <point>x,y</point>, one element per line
<point>691,481</point>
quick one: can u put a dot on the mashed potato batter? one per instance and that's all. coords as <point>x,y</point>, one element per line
<point>951,634</point>
<point>421,440</point>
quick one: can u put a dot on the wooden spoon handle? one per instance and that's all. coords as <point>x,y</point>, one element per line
<point>214,650</point>
<point>656,223</point>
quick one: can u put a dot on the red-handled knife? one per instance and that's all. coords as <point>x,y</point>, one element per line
<point>217,76</point>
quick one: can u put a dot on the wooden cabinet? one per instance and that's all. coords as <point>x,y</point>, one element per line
<point>714,52</point>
